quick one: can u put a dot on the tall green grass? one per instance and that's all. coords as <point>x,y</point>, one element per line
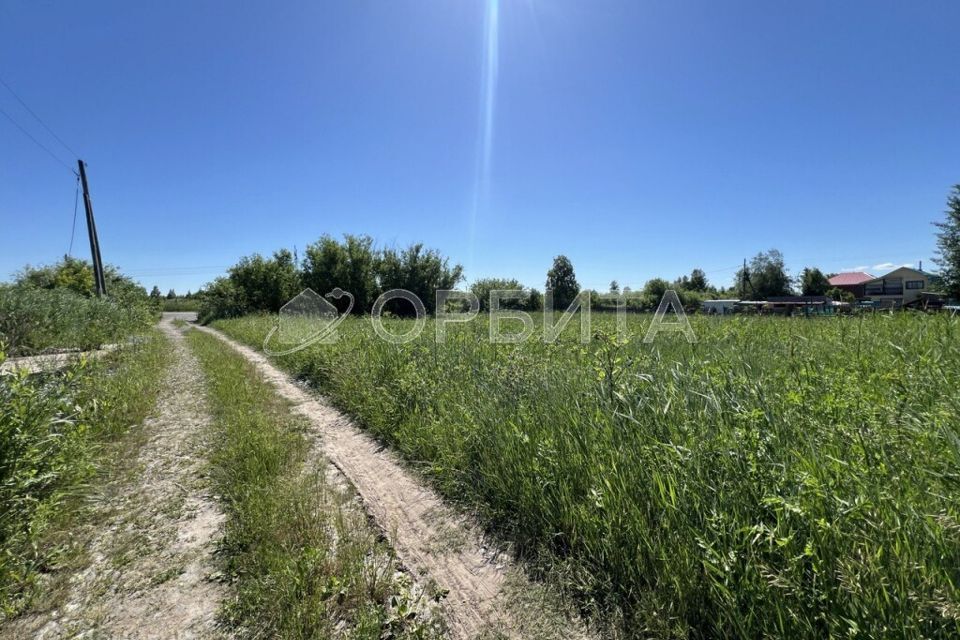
<point>55,432</point>
<point>780,478</point>
<point>33,320</point>
<point>304,563</point>
<point>181,304</point>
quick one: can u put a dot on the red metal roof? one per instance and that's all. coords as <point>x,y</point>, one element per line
<point>850,278</point>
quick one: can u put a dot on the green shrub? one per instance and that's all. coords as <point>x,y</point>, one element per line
<point>34,320</point>
<point>53,307</point>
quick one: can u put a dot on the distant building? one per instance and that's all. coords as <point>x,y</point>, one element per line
<point>852,281</point>
<point>718,307</point>
<point>898,288</point>
<point>789,305</point>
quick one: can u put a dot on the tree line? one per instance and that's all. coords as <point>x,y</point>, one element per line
<point>355,264</point>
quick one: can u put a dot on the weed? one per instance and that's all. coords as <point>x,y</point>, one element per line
<point>57,430</point>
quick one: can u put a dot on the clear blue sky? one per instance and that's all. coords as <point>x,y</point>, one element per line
<point>639,138</point>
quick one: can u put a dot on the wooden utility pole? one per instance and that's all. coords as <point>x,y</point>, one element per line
<point>92,232</point>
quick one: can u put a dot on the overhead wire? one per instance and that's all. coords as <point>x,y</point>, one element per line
<point>24,131</point>
<point>38,119</point>
<point>37,142</point>
<point>73,228</point>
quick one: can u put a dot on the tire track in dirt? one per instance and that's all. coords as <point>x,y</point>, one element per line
<point>152,538</point>
<point>488,595</point>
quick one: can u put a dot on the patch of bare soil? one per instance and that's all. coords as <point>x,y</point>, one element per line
<point>152,540</point>
<point>488,595</point>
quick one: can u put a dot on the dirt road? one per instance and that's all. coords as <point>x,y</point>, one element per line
<point>152,538</point>
<point>151,543</point>
<point>488,595</point>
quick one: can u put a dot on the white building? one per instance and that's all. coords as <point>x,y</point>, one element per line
<point>718,307</point>
<point>900,287</point>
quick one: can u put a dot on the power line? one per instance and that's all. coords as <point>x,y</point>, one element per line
<point>73,229</point>
<point>37,142</point>
<point>42,123</point>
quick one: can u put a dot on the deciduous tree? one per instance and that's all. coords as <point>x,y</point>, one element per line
<point>813,282</point>
<point>562,281</point>
<point>766,276</point>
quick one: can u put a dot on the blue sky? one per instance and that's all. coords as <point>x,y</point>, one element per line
<point>641,139</point>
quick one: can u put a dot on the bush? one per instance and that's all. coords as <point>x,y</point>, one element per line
<point>482,288</point>
<point>53,307</point>
<point>351,265</point>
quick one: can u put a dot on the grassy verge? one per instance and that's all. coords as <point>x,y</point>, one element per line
<point>303,559</point>
<point>36,320</point>
<point>60,432</point>
<point>780,478</point>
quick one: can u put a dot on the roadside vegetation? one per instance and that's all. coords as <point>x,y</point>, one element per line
<point>299,552</point>
<point>780,478</point>
<point>53,308</point>
<point>60,433</point>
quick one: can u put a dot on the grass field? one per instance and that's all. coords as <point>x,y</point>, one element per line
<point>781,477</point>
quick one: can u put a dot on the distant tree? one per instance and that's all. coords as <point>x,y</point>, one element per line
<point>765,277</point>
<point>535,301</point>
<point>171,294</point>
<point>155,293</point>
<point>562,281</point>
<point>188,295</point>
<point>614,286</point>
<point>840,295</point>
<point>253,284</point>
<point>265,284</point>
<point>948,245</point>
<point>220,299</point>
<point>698,280</point>
<point>482,288</point>
<point>419,271</point>
<point>655,288</point>
<point>351,265</point>
<point>813,282</point>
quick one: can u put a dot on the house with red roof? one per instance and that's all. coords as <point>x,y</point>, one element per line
<point>852,281</point>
